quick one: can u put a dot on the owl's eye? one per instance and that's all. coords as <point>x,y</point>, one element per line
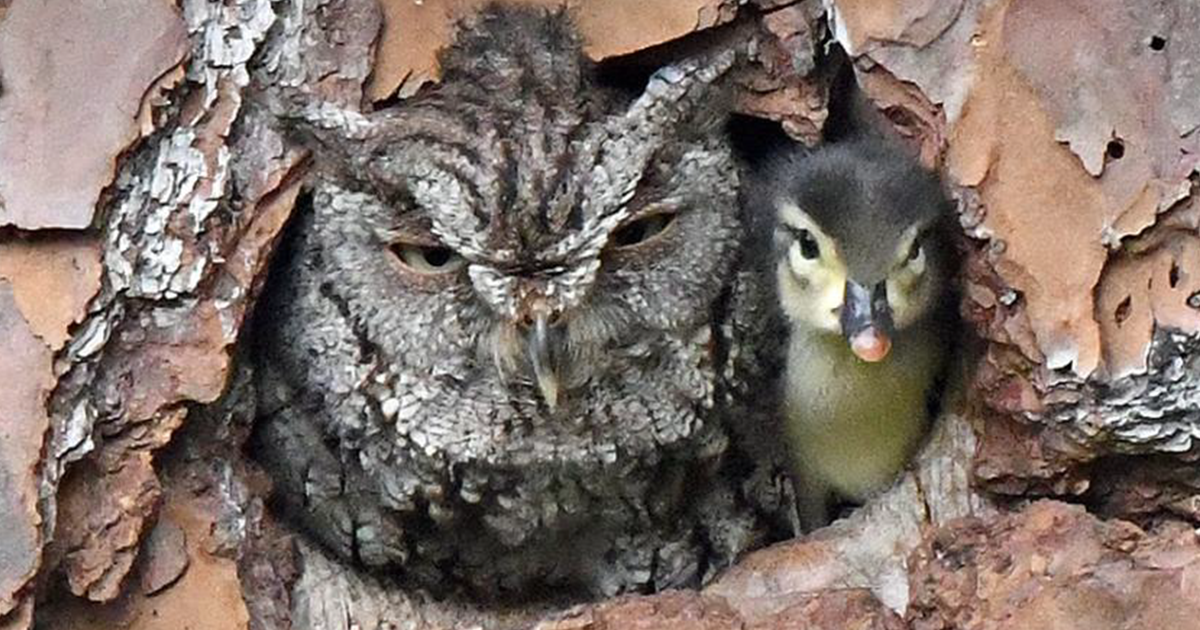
<point>427,259</point>
<point>643,229</point>
<point>808,244</point>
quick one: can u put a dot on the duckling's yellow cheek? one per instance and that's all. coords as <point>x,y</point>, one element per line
<point>829,299</point>
<point>903,291</point>
<point>897,296</point>
<point>811,291</point>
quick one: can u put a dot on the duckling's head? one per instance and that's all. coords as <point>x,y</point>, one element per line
<point>856,242</point>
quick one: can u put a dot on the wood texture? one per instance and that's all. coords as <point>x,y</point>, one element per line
<point>141,217</point>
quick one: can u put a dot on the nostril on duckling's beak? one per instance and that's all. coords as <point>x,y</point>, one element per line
<point>543,343</point>
<point>866,321</point>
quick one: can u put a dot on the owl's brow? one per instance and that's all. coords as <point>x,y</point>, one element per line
<point>446,122</point>
<point>397,179</point>
<point>413,227</point>
<point>650,195</point>
<point>431,141</point>
<point>562,169</point>
<point>638,211</point>
<point>421,237</point>
<point>464,177</point>
<point>670,96</point>
<point>447,131</point>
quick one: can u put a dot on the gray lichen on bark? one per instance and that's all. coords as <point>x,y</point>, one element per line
<point>1156,411</point>
<point>174,291</point>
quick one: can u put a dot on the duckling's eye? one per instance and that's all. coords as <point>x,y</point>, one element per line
<point>808,245</point>
<point>427,259</point>
<point>643,229</point>
<point>915,250</point>
<point>914,260</point>
<point>916,253</point>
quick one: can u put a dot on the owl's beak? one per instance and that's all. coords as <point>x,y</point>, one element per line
<point>542,344</point>
<point>866,320</point>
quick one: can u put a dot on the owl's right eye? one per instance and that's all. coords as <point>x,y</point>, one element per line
<point>643,229</point>
<point>428,259</point>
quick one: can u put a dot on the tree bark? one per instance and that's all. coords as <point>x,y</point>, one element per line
<point>144,182</point>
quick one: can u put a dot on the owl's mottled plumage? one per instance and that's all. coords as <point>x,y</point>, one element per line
<point>487,357</point>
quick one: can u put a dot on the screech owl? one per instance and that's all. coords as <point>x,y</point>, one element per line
<point>488,353</point>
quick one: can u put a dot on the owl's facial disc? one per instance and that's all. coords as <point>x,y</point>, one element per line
<point>542,323</point>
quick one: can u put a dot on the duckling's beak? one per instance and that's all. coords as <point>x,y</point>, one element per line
<point>866,321</point>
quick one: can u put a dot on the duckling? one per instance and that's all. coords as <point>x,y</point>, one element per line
<point>861,269</point>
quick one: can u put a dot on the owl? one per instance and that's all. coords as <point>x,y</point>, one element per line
<point>488,352</point>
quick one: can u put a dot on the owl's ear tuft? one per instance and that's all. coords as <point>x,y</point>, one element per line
<point>689,95</point>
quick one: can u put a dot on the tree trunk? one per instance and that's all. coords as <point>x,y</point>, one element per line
<point>144,182</point>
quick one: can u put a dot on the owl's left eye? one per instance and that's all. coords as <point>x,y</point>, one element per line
<point>643,229</point>
<point>427,259</point>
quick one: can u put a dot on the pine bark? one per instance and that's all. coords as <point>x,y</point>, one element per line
<point>144,183</point>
